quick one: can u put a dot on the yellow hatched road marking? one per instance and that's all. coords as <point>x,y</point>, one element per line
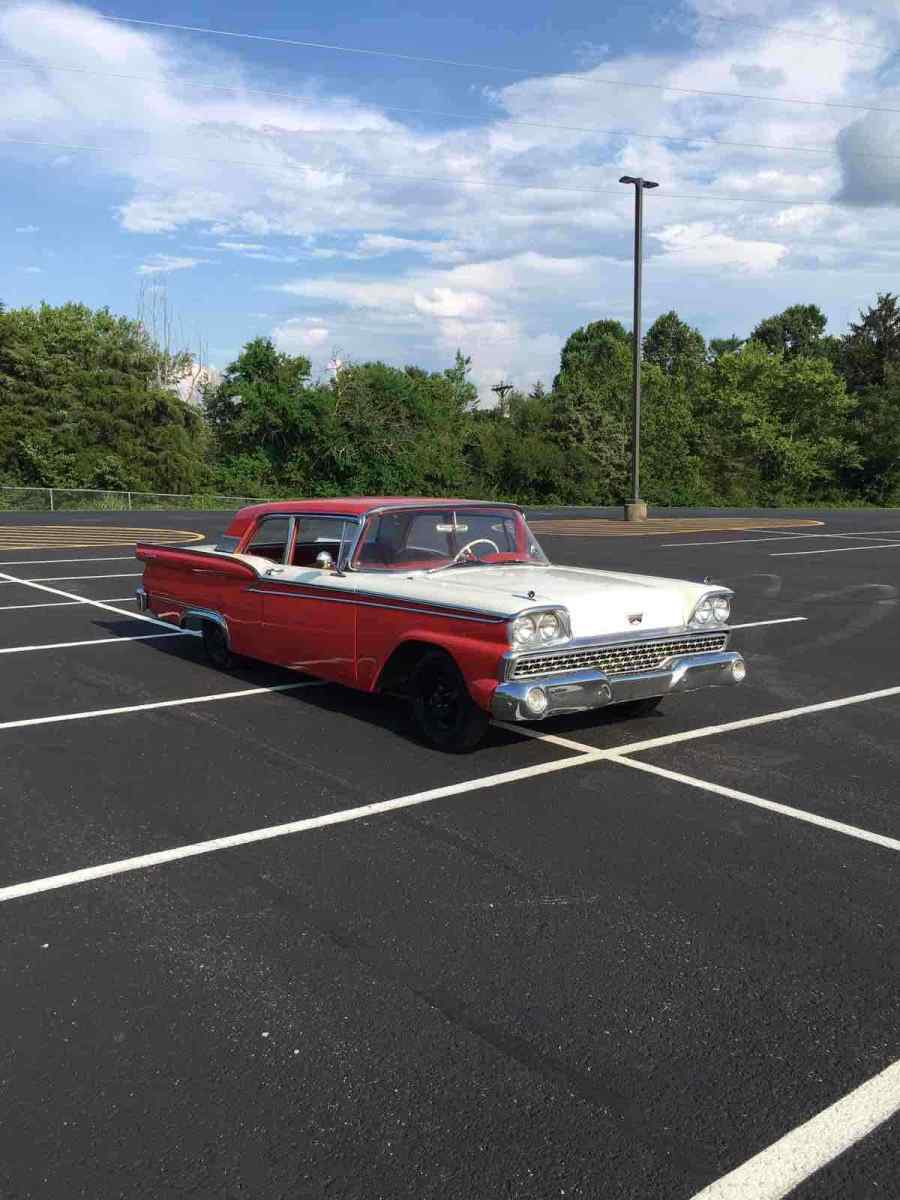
<point>83,537</point>
<point>660,526</point>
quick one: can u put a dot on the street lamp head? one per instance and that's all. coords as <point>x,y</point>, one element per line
<point>644,183</point>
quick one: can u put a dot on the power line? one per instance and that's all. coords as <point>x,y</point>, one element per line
<point>791,33</point>
<point>473,66</point>
<point>457,182</point>
<point>824,151</point>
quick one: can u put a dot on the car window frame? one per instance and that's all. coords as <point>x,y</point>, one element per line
<point>348,544</point>
<point>413,510</point>
<point>257,526</point>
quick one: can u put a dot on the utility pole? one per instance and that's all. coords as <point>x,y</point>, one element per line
<point>636,508</point>
<point>500,390</point>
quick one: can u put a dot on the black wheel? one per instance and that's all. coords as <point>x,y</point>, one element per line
<point>215,643</point>
<point>445,713</point>
<point>639,708</point>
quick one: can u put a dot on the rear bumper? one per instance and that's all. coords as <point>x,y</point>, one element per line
<point>578,691</point>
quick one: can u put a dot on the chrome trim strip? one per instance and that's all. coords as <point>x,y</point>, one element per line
<point>362,602</point>
<point>580,690</point>
<point>192,616</point>
<point>607,642</point>
<point>292,517</point>
<point>443,505</point>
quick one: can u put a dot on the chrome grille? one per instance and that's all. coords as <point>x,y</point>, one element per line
<point>618,660</point>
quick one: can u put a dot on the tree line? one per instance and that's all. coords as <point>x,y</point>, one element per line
<point>788,416</point>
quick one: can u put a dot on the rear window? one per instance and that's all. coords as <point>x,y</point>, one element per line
<point>270,538</point>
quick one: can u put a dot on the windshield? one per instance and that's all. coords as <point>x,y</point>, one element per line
<point>415,539</point>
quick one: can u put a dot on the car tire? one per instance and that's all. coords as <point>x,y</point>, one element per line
<point>445,714</point>
<point>639,708</point>
<point>215,643</point>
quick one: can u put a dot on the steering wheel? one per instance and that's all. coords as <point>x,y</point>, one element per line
<point>475,541</point>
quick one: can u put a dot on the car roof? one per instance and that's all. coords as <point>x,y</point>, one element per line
<point>351,506</point>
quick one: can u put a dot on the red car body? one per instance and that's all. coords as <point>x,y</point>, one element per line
<point>325,635</point>
<point>359,592</point>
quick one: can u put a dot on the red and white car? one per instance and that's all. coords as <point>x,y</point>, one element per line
<point>450,602</point>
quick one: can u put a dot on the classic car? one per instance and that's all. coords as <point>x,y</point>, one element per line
<point>451,603</point>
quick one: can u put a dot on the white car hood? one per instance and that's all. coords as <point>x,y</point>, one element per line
<point>599,602</point>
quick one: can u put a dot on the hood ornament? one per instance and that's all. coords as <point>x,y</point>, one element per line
<point>635,618</point>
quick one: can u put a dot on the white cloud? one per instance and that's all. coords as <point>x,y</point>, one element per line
<point>160,263</point>
<point>240,247</point>
<point>504,272</point>
<point>300,335</point>
<point>27,228</point>
<point>702,245</point>
<point>33,270</point>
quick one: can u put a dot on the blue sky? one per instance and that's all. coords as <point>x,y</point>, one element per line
<point>285,190</point>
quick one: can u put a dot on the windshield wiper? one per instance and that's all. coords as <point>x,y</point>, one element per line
<point>463,562</point>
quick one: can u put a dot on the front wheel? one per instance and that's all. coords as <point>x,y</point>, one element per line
<point>215,643</point>
<point>444,712</point>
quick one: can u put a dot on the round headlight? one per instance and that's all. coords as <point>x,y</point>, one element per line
<point>703,612</point>
<point>548,626</point>
<point>721,607</point>
<point>524,630</point>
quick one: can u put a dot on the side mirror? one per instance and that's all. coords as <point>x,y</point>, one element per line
<point>324,561</point>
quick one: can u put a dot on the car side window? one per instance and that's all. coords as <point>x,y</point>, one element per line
<point>270,538</point>
<point>315,534</point>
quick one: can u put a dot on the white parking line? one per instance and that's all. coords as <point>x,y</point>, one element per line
<point>688,735</point>
<point>141,862</point>
<point>42,562</point>
<point>784,714</point>
<point>836,550</point>
<point>539,736</point>
<point>585,755</point>
<point>42,587</point>
<point>786,810</point>
<point>67,578</point>
<point>776,1171</point>
<point>143,637</point>
<point>63,604</point>
<point>26,722</point>
<point>787,537</point>
<point>777,621</point>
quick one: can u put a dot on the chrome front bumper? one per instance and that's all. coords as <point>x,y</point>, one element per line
<point>578,691</point>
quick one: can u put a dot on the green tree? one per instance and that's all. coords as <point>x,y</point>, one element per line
<point>799,330</point>
<point>872,346</point>
<point>875,425</point>
<point>80,405</point>
<point>675,347</point>
<point>775,430</point>
<point>720,346</point>
<point>595,353</point>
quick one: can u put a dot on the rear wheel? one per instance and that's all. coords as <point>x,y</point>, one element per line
<point>639,708</point>
<point>215,643</point>
<point>444,712</point>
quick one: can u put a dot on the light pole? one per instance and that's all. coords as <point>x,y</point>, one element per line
<point>636,508</point>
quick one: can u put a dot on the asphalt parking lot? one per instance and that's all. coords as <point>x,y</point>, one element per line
<point>621,961</point>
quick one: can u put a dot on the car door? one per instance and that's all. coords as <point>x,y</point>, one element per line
<point>309,614</point>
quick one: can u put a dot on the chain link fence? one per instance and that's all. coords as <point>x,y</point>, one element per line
<point>39,499</point>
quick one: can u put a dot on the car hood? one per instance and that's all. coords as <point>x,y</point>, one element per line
<point>598,602</point>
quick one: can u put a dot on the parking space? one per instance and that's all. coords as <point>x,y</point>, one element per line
<point>535,970</point>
